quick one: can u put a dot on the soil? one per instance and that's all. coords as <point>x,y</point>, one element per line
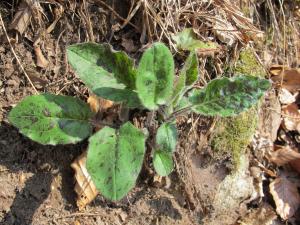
<point>37,182</point>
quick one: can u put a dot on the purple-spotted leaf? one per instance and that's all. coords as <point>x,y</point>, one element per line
<point>163,162</point>
<point>109,74</point>
<point>166,137</point>
<point>187,77</point>
<point>115,158</point>
<point>228,96</point>
<point>52,119</point>
<point>154,82</point>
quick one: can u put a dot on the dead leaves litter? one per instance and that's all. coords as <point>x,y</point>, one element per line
<point>291,117</point>
<point>288,79</point>
<point>85,188</point>
<point>286,197</point>
<point>283,155</point>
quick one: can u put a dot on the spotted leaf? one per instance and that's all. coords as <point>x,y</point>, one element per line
<point>109,74</point>
<point>163,162</point>
<point>52,119</point>
<point>115,158</point>
<point>187,77</point>
<point>228,96</point>
<point>155,77</point>
<point>166,137</point>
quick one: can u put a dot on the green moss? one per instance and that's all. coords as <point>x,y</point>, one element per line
<point>233,135</point>
<point>248,64</point>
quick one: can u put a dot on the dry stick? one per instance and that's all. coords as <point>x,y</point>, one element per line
<point>115,13</point>
<point>15,55</point>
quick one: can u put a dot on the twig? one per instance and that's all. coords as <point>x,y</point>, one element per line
<point>15,55</point>
<point>178,113</point>
<point>115,13</point>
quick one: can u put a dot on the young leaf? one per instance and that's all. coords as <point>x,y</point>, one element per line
<point>187,40</point>
<point>115,159</point>
<point>163,162</point>
<point>166,137</point>
<point>154,82</point>
<point>108,73</point>
<point>52,119</point>
<point>187,77</point>
<point>228,96</point>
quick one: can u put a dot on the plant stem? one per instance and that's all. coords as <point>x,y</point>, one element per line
<point>178,113</point>
<point>96,123</point>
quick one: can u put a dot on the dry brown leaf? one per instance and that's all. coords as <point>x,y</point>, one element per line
<point>291,117</point>
<point>129,45</point>
<point>286,97</point>
<point>85,188</point>
<point>286,197</point>
<point>283,155</point>
<point>296,165</point>
<point>98,104</point>
<point>41,61</point>
<point>21,19</point>
<point>276,70</point>
<point>288,79</point>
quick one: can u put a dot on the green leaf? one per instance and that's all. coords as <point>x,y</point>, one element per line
<point>187,40</point>
<point>115,158</point>
<point>108,73</point>
<point>52,119</point>
<point>187,77</point>
<point>163,162</point>
<point>166,137</point>
<point>228,96</point>
<point>154,82</point>
<point>182,103</point>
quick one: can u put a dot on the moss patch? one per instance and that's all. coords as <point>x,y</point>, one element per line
<point>232,135</point>
<point>248,65</point>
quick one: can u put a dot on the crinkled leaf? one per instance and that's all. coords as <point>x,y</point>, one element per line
<point>115,159</point>
<point>154,82</point>
<point>228,96</point>
<point>52,119</point>
<point>108,73</point>
<point>166,137</point>
<point>286,197</point>
<point>163,162</point>
<point>283,155</point>
<point>187,77</point>
<point>187,40</point>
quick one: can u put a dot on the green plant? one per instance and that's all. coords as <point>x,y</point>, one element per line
<point>115,155</point>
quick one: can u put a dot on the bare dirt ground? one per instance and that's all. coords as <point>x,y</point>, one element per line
<point>37,182</point>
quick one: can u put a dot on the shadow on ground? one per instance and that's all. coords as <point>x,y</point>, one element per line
<point>19,154</point>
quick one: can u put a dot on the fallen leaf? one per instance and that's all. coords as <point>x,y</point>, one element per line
<point>223,30</point>
<point>283,155</point>
<point>276,70</point>
<point>41,61</point>
<point>286,197</point>
<point>85,188</point>
<point>129,45</point>
<point>21,19</point>
<point>98,104</point>
<point>34,76</point>
<point>291,117</point>
<point>295,164</point>
<point>288,79</point>
<point>286,97</point>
